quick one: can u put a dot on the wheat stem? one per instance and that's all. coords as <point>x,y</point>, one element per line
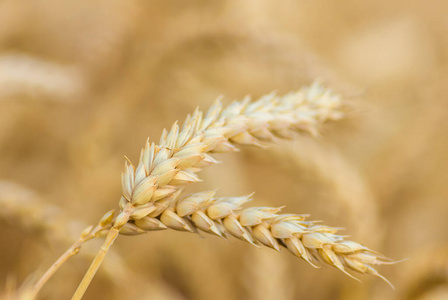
<point>122,219</point>
<point>73,250</point>
<point>87,234</point>
<point>111,236</point>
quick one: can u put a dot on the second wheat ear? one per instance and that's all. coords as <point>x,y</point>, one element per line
<point>152,189</point>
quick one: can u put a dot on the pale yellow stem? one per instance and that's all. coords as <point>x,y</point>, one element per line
<point>73,250</point>
<point>111,236</point>
<point>122,219</point>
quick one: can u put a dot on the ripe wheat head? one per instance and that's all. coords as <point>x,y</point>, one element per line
<point>152,197</point>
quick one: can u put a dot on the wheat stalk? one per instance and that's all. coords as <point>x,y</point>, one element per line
<point>151,189</point>
<point>24,208</point>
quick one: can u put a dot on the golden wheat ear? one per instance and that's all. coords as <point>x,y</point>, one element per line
<point>183,151</point>
<point>151,189</point>
<point>263,226</point>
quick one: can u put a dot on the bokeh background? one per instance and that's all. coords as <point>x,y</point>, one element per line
<point>83,83</point>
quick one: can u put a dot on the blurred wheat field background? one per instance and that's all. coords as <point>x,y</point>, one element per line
<point>83,83</point>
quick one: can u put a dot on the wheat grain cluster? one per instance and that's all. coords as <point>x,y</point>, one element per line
<point>152,190</point>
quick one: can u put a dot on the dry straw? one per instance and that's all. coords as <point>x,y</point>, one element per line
<point>152,190</point>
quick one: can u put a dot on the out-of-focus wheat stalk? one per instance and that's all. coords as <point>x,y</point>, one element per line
<point>348,188</point>
<point>24,208</point>
<point>24,292</point>
<point>432,277</point>
<point>22,205</point>
<point>21,73</point>
<point>266,276</point>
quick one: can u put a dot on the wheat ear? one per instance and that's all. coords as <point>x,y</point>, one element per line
<point>261,226</point>
<point>181,153</point>
<point>165,168</point>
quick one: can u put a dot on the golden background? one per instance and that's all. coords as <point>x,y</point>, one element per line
<point>83,83</point>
